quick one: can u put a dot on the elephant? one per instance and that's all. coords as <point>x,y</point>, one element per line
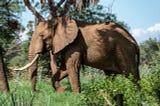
<point>106,46</point>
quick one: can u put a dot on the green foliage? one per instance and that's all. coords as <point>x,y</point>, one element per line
<point>150,52</point>
<point>8,22</point>
<point>21,95</point>
<point>14,55</point>
<point>92,14</point>
<point>96,14</point>
<point>9,25</point>
<point>150,88</point>
<point>97,90</point>
<point>101,88</point>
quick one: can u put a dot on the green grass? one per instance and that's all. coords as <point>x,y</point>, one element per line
<point>22,95</point>
<point>95,89</point>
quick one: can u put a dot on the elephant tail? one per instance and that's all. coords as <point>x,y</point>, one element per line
<point>138,62</point>
<point>83,67</point>
<point>138,56</point>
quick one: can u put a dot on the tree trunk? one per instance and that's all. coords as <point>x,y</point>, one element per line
<point>3,77</point>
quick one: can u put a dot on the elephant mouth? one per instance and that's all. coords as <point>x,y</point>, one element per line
<point>27,65</point>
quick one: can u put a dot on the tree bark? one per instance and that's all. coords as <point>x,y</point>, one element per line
<point>3,77</point>
<point>33,10</point>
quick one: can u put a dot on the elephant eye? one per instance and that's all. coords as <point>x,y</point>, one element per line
<point>49,37</point>
<point>41,34</point>
<point>45,38</point>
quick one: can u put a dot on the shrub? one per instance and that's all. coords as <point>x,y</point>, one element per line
<point>99,89</point>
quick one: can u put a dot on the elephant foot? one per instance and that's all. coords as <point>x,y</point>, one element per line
<point>61,89</point>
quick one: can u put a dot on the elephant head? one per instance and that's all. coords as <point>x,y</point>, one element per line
<point>52,34</point>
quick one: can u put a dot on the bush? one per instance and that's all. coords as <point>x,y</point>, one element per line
<point>99,89</point>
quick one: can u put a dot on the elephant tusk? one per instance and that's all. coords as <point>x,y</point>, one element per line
<point>27,65</point>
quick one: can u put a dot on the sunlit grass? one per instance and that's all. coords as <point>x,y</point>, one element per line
<point>95,88</point>
<point>22,95</point>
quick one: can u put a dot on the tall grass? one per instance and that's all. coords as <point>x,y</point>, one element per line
<point>97,90</point>
<point>22,95</point>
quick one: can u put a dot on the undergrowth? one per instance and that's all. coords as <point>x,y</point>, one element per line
<point>97,90</point>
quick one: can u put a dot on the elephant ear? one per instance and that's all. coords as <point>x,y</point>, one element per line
<point>65,33</point>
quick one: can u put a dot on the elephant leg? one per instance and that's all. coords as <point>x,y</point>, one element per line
<point>73,66</point>
<point>33,74</point>
<point>110,72</point>
<point>127,63</point>
<point>57,74</point>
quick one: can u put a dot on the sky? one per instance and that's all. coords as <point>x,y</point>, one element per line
<point>142,16</point>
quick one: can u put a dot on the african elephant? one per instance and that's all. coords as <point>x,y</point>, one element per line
<point>106,46</point>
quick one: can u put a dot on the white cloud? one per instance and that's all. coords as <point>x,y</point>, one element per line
<point>143,34</point>
<point>155,28</point>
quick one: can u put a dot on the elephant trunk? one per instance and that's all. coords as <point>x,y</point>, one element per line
<point>33,70</point>
<point>35,48</point>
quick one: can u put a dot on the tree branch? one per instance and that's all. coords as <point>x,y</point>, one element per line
<point>60,3</point>
<point>43,2</point>
<point>52,8</point>
<point>5,5</point>
<point>33,10</point>
<point>66,7</point>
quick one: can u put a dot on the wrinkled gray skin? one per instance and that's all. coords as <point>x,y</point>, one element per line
<point>106,46</point>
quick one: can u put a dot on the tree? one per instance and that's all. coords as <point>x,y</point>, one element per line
<point>3,77</point>
<point>150,51</point>
<point>82,10</point>
<point>9,26</point>
<point>60,8</point>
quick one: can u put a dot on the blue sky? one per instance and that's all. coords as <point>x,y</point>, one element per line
<point>142,16</point>
<point>137,13</point>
